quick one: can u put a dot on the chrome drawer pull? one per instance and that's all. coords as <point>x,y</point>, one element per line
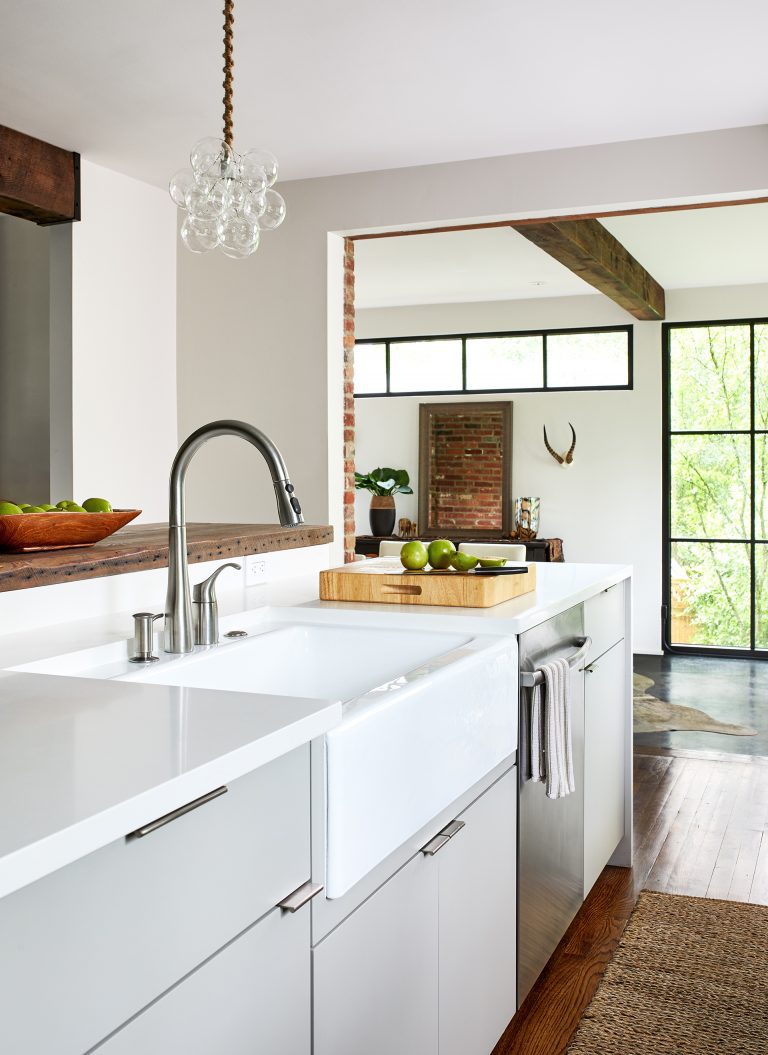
<point>146,829</point>
<point>300,896</point>
<point>442,838</point>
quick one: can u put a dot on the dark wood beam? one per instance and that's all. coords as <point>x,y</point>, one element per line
<point>591,252</point>
<point>38,181</point>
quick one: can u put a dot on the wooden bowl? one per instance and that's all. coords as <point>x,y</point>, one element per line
<point>29,532</point>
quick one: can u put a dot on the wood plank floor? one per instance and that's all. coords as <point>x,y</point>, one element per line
<point>701,828</point>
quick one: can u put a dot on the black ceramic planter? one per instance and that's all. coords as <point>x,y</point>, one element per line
<point>382,515</point>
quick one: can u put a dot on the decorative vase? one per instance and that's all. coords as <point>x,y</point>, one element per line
<point>526,518</point>
<point>382,514</point>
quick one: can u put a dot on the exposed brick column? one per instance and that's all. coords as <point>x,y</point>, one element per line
<point>349,401</point>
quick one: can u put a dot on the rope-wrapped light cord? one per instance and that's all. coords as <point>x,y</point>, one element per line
<point>229,62</point>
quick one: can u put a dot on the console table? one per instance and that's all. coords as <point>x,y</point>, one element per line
<point>537,549</point>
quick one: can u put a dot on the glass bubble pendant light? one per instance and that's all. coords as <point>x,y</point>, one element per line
<point>229,198</point>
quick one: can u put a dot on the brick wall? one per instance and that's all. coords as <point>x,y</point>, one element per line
<point>349,400</point>
<point>466,453</point>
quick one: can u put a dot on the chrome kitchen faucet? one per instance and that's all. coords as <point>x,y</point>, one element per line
<point>179,636</point>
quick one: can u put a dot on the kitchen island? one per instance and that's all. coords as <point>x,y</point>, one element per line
<point>415,950</point>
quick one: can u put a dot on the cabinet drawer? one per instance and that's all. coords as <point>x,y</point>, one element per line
<point>478,924</point>
<point>253,996</point>
<point>604,619</point>
<point>375,976</point>
<point>605,715</point>
<point>87,947</point>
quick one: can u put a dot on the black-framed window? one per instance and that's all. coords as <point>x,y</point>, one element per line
<point>715,491</point>
<point>586,359</point>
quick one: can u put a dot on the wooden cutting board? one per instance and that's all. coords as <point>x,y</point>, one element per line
<point>374,581</point>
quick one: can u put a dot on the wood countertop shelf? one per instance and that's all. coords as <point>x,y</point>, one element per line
<point>142,546</point>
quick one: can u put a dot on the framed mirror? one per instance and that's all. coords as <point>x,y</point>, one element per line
<point>465,469</point>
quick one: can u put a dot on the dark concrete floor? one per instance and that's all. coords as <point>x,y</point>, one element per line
<point>731,690</point>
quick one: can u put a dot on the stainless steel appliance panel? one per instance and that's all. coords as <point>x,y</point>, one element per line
<point>551,831</point>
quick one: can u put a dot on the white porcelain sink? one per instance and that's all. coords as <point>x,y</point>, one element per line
<point>426,713</point>
<point>322,662</point>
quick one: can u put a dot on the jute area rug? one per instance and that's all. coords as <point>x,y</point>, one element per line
<point>688,978</point>
<point>652,715</point>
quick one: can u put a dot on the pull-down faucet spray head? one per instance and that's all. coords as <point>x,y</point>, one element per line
<point>179,636</point>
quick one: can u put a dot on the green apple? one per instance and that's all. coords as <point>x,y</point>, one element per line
<point>413,556</point>
<point>8,509</point>
<point>97,505</point>
<point>492,562</point>
<point>441,550</point>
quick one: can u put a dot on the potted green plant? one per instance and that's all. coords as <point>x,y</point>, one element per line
<point>383,484</point>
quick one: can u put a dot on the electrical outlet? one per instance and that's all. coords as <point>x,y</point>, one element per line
<point>255,570</point>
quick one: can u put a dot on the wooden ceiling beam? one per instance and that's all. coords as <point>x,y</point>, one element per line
<point>38,181</point>
<point>591,252</point>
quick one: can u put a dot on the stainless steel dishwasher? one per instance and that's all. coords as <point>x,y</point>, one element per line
<point>550,831</point>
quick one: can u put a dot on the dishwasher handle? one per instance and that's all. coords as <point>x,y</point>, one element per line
<point>529,678</point>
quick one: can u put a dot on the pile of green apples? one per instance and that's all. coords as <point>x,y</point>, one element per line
<point>440,555</point>
<point>90,505</point>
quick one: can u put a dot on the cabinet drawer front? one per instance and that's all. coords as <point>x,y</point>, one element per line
<point>605,619</point>
<point>605,715</point>
<point>478,924</point>
<point>89,946</point>
<point>253,996</point>
<point>375,976</point>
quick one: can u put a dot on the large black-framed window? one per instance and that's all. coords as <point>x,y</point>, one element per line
<point>562,360</point>
<point>715,487</point>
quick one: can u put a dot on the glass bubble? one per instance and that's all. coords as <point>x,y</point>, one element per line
<point>179,185</point>
<point>199,236</point>
<point>253,207</point>
<point>238,193</point>
<point>252,175</point>
<point>240,253</point>
<point>206,153</point>
<point>260,159</point>
<point>274,212</point>
<point>239,236</point>
<point>199,205</point>
<point>220,196</point>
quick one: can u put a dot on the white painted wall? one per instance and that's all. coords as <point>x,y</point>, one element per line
<point>124,402</point>
<point>256,339</point>
<point>607,504</point>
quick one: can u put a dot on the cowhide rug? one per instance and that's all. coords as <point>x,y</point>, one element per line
<point>652,715</point>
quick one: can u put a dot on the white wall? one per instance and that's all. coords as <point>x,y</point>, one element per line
<point>607,504</point>
<point>124,399</point>
<point>254,335</point>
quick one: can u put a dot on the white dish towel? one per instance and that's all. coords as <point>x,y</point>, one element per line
<point>551,735</point>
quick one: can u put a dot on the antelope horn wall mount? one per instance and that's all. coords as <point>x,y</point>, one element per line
<point>562,459</point>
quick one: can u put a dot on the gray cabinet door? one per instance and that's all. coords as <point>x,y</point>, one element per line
<point>375,975</point>
<point>478,922</point>
<point>605,711</point>
<point>253,996</point>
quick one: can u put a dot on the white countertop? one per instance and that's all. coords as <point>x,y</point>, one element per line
<point>84,761</point>
<point>558,588</point>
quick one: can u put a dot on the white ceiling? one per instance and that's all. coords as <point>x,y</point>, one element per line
<point>693,248</point>
<point>698,247</point>
<point>342,86</point>
<point>458,267</point>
